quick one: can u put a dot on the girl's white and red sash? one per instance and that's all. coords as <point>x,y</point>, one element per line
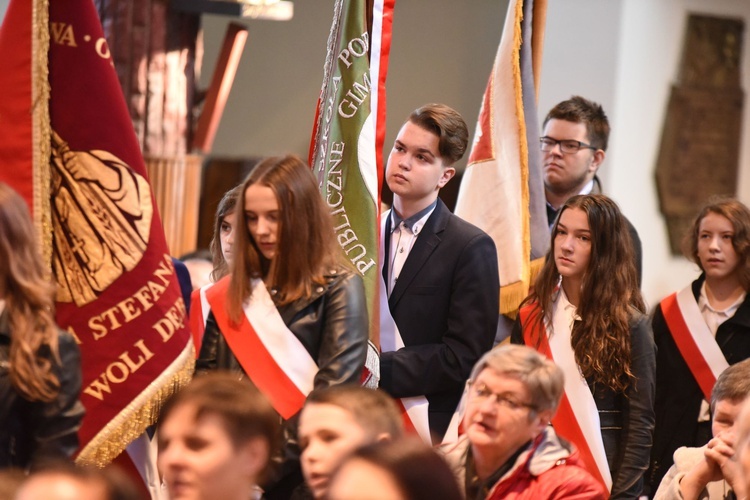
<point>694,340</point>
<point>415,410</point>
<point>199,310</point>
<point>577,418</point>
<point>271,355</point>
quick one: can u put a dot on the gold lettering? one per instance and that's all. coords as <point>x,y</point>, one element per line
<point>156,290</point>
<point>102,49</point>
<point>122,368</point>
<point>97,328</point>
<point>62,34</point>
<point>142,296</point>
<point>173,319</point>
<point>118,371</point>
<point>144,356</point>
<point>165,270</point>
<point>129,311</point>
<point>98,387</point>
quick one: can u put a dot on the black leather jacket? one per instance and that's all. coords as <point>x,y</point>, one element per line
<point>332,325</point>
<point>626,418</point>
<point>31,432</point>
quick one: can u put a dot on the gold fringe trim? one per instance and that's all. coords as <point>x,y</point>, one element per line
<point>143,411</point>
<point>511,296</point>
<point>524,157</point>
<point>41,147</point>
<point>536,268</point>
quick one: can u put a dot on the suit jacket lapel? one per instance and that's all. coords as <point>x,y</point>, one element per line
<point>426,243</point>
<point>386,247</point>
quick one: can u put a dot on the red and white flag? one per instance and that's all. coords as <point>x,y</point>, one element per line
<point>502,190</point>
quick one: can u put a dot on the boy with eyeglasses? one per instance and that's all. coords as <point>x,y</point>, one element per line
<point>574,144</point>
<point>508,450</point>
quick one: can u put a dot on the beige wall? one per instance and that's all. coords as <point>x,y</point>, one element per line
<point>442,51</point>
<point>626,54</point>
<point>651,39</point>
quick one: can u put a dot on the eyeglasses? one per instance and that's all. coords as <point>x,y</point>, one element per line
<point>567,146</point>
<point>481,393</point>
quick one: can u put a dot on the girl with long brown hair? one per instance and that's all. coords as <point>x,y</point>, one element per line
<point>222,256</point>
<point>586,312</point>
<point>291,316</point>
<point>224,231</point>
<point>40,366</point>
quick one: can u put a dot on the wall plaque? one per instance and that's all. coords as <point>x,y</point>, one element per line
<point>699,151</point>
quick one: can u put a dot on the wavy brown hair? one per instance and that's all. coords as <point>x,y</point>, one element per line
<point>226,206</point>
<point>29,301</point>
<point>306,247</point>
<point>739,215</point>
<point>609,294</point>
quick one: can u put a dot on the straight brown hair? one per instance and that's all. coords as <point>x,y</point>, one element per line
<point>306,248</point>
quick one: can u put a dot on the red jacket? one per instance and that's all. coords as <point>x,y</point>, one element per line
<point>550,469</point>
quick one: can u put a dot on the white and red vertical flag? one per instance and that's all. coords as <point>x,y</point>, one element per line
<point>502,189</point>
<point>348,134</point>
<point>73,153</point>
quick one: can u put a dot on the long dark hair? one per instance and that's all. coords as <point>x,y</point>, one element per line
<point>609,294</point>
<point>306,247</point>
<point>29,300</point>
<point>226,206</point>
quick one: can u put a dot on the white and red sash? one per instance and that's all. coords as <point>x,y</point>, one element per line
<point>694,340</point>
<point>271,355</point>
<point>577,418</point>
<point>415,410</point>
<point>199,310</point>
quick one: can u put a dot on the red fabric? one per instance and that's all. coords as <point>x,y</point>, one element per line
<point>567,479</point>
<point>484,147</point>
<point>385,51</point>
<point>314,137</point>
<point>690,351</point>
<point>16,149</point>
<point>564,421</point>
<point>258,364</point>
<point>123,349</point>
<point>125,463</point>
<point>408,424</point>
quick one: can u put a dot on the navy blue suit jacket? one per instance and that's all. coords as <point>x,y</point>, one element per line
<point>446,305</point>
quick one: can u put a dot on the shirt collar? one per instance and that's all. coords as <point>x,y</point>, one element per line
<point>704,304</point>
<point>411,223</point>
<point>588,187</point>
<point>552,211</point>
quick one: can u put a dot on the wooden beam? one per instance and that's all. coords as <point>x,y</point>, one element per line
<point>248,9</point>
<point>221,84</point>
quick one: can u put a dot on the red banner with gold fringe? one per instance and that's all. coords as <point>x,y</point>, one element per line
<point>117,291</point>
